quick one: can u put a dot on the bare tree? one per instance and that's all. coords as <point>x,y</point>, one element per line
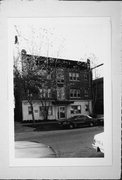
<point>30,79</point>
<point>45,93</point>
<point>35,77</point>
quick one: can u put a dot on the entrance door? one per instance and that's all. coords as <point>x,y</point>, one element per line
<point>62,112</point>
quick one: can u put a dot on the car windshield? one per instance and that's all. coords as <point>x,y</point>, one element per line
<point>89,116</point>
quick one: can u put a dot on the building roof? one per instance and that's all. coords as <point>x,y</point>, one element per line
<point>58,62</point>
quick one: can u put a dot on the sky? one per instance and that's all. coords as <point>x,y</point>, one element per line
<point>74,38</point>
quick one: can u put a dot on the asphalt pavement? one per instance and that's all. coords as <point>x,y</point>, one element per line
<point>66,142</point>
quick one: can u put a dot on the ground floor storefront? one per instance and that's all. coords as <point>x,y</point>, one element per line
<point>57,110</point>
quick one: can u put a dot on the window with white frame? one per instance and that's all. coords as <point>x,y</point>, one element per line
<point>75,109</point>
<point>45,93</point>
<point>29,110</point>
<point>74,93</point>
<point>73,76</point>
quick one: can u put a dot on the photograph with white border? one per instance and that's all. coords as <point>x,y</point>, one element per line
<point>59,91</point>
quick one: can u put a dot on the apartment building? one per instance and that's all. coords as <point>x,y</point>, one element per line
<point>67,92</point>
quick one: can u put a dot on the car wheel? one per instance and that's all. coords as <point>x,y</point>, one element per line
<point>91,124</point>
<point>71,126</point>
<point>98,149</point>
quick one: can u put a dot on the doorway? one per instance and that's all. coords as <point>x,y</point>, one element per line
<point>62,112</point>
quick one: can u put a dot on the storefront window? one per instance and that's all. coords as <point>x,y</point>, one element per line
<point>76,109</point>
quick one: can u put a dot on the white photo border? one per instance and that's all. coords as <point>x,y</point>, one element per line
<point>107,159</point>
<point>9,169</point>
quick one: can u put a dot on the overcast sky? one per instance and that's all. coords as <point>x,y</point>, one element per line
<point>68,38</point>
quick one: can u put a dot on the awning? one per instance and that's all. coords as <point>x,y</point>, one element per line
<point>57,102</point>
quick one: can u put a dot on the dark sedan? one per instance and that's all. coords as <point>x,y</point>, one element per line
<point>100,121</point>
<point>78,121</point>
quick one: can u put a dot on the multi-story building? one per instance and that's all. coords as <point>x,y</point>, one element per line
<point>98,94</point>
<point>67,91</point>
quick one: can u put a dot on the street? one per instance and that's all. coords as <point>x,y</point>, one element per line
<point>67,143</point>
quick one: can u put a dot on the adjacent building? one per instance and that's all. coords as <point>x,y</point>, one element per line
<point>66,90</point>
<point>98,97</point>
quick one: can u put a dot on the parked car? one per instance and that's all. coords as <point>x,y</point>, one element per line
<point>100,121</point>
<point>27,149</point>
<point>98,142</point>
<point>79,120</point>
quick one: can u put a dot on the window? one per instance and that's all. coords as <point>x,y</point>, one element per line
<point>62,112</point>
<point>49,93</point>
<point>29,110</point>
<point>86,107</point>
<point>74,93</point>
<point>49,76</point>
<point>71,93</point>
<point>50,111</point>
<point>45,93</point>
<point>36,111</point>
<point>70,76</point>
<point>60,93</point>
<point>60,76</point>
<point>76,109</point>
<point>85,76</point>
<point>73,76</point>
<point>78,93</point>
<point>86,92</point>
<point>77,75</point>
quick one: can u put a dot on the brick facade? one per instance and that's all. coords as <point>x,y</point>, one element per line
<point>69,85</point>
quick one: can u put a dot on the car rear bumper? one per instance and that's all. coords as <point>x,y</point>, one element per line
<point>97,148</point>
